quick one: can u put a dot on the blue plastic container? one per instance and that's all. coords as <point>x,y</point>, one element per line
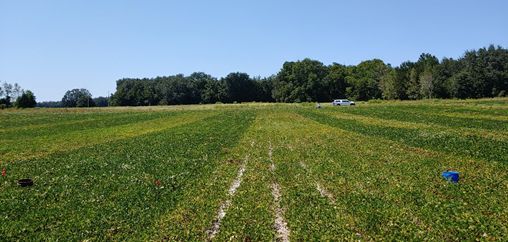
<point>452,176</point>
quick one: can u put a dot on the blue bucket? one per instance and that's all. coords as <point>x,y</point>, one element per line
<point>452,176</point>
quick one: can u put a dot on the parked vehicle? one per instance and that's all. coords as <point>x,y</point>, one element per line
<point>342,102</point>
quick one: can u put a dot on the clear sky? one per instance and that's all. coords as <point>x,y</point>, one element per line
<point>53,46</point>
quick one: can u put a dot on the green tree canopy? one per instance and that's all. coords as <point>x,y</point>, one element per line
<point>365,79</point>
<point>78,98</point>
<point>26,100</point>
<point>301,81</point>
<point>335,82</point>
<point>9,92</point>
<point>239,87</point>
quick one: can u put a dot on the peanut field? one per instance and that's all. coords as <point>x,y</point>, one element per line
<point>257,172</point>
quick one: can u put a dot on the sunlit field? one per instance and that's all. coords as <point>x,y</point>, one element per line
<point>257,171</point>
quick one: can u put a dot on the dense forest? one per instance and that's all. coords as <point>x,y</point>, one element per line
<point>477,74</point>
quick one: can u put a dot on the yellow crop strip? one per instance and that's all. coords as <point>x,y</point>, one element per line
<point>499,135</point>
<point>38,147</point>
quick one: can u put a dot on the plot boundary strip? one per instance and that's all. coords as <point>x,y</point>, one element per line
<point>322,190</point>
<point>221,213</point>
<point>280,224</point>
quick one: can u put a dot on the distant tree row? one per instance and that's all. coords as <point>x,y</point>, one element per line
<point>479,73</point>
<point>22,98</point>
<point>78,97</point>
<point>196,88</point>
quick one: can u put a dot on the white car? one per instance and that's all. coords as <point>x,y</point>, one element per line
<point>342,102</point>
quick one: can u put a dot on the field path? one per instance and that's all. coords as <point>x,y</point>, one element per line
<point>277,193</point>
<point>227,203</point>
<point>322,190</point>
<point>280,224</point>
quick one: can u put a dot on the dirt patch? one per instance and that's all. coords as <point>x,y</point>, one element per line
<point>234,161</point>
<point>280,224</point>
<point>324,192</point>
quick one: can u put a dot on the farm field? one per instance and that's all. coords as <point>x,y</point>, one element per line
<point>257,172</point>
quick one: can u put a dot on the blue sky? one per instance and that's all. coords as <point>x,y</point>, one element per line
<point>53,46</point>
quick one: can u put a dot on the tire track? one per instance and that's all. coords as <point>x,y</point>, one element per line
<point>212,232</point>
<point>322,190</point>
<point>280,223</point>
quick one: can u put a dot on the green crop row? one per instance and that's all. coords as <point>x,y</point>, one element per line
<point>108,191</point>
<point>19,148</point>
<point>429,117</point>
<point>469,146</point>
<point>18,133</point>
<point>392,190</point>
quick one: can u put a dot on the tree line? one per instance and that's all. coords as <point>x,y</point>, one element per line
<point>477,74</point>
<point>78,97</point>
<point>196,88</point>
<point>13,92</point>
